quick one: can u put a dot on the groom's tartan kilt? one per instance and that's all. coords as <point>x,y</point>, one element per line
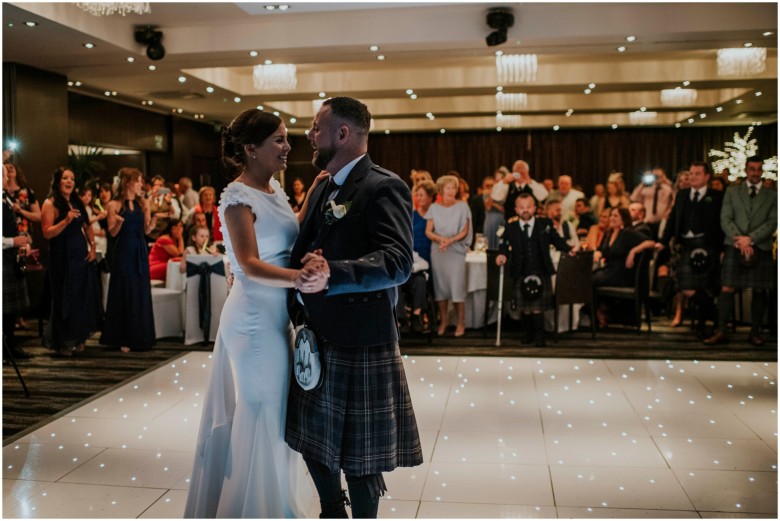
<point>361,419</point>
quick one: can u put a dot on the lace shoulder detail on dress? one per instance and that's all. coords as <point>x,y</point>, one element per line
<point>236,194</point>
<point>279,190</point>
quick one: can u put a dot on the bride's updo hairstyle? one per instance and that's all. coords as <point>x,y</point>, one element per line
<point>251,127</point>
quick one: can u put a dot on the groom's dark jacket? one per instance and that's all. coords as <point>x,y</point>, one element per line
<point>369,252</point>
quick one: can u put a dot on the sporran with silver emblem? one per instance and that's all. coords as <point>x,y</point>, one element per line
<point>307,367</point>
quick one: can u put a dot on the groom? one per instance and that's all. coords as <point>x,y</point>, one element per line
<point>360,420</point>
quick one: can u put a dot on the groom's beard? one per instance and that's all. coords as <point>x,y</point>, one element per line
<point>323,157</point>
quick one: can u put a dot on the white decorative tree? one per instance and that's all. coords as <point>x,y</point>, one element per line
<point>736,152</point>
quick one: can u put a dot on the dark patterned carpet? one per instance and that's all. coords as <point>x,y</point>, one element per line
<point>59,384</point>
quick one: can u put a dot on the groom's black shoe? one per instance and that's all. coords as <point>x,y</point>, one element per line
<point>335,510</point>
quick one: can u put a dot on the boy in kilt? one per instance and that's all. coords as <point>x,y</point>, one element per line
<point>526,245</point>
<point>748,219</point>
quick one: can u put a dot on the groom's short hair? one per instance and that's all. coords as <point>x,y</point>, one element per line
<point>351,110</point>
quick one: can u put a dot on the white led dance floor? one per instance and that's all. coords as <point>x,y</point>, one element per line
<point>502,438</point>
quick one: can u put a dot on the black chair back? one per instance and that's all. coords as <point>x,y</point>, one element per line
<point>574,279</point>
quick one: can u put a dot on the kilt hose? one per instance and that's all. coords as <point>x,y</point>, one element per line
<point>360,420</point>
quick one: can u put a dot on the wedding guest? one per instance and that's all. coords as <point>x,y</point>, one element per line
<point>161,204</point>
<point>187,196</point>
<point>584,217</point>
<point>615,196</point>
<point>597,231</point>
<point>25,205</point>
<point>597,200</point>
<point>517,182</point>
<point>494,212</point>
<point>682,181</point>
<point>15,298</point>
<point>74,286</point>
<point>129,322</point>
<point>719,184</point>
<point>298,195</point>
<point>168,246</point>
<point>656,194</point>
<point>478,204</point>
<point>94,216</point>
<point>565,229</point>
<point>449,229</point>
<point>567,195</point>
<point>208,206</point>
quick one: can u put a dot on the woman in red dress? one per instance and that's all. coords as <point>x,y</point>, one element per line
<point>169,245</point>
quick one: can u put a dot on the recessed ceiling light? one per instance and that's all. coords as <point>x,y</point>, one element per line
<point>30,24</point>
<point>614,126</point>
<point>260,107</point>
<point>322,94</point>
<point>621,49</point>
<point>293,120</point>
<point>702,115</point>
<point>113,93</point>
<point>268,62</point>
<point>270,7</point>
<point>556,127</point>
<point>253,54</point>
<point>739,102</point>
<point>442,131</point>
<point>387,131</point>
<point>630,38</point>
<point>500,88</point>
<point>686,83</point>
<point>677,125</point>
<point>152,67</point>
<point>182,79</point>
<point>107,93</point>
<point>276,113</point>
<point>10,24</point>
<point>748,44</point>
<point>237,99</point>
<point>209,89</point>
<point>768,33</point>
<point>150,102</point>
<point>130,59</point>
<point>89,45</point>
<point>690,120</point>
<point>78,84</point>
<point>179,110</point>
<point>591,85</point>
<point>381,57</point>
<point>284,7</point>
<point>413,96</point>
<point>587,91</point>
<point>719,109</point>
<point>499,53</point>
<point>70,84</point>
<point>409,92</point>
<point>373,48</point>
<point>499,129</point>
<point>759,93</point>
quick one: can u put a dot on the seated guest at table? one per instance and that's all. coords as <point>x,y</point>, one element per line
<point>169,245</point>
<point>597,231</point>
<point>616,256</point>
<point>694,224</point>
<point>208,206</point>
<point>637,212</point>
<point>198,245</point>
<point>449,229</point>
<point>584,217</point>
<point>565,229</point>
<point>531,238</point>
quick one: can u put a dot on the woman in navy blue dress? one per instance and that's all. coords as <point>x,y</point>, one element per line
<point>129,321</point>
<point>73,275</point>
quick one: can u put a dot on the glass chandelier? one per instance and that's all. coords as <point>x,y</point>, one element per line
<point>511,101</point>
<point>516,68</point>
<point>678,97</point>
<point>109,8</point>
<point>275,77</point>
<point>741,62</point>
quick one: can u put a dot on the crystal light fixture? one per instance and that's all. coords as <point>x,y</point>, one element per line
<point>109,8</point>
<point>516,68</point>
<point>511,101</point>
<point>741,62</point>
<point>640,117</point>
<point>275,77</point>
<point>508,121</point>
<point>678,97</point>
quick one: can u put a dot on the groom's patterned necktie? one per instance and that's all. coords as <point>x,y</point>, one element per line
<point>332,187</point>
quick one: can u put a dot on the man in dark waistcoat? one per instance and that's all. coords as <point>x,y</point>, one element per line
<point>530,238</point>
<point>694,226</point>
<point>360,420</point>
<point>748,220</point>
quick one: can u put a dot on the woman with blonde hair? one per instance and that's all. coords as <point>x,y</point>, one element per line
<point>129,322</point>
<point>616,193</point>
<point>208,205</point>
<point>449,229</point>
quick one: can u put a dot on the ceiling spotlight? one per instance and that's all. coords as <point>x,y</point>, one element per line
<point>630,38</point>
<point>237,99</point>
<point>182,79</point>
<point>413,96</point>
<point>690,120</point>
<point>719,109</point>
<point>621,49</point>
<point>149,35</point>
<point>686,83</point>
<point>260,107</point>
<point>130,59</point>
<point>373,48</point>
<point>70,84</point>
<point>500,19</point>
<point>768,33</point>
<point>587,91</point>
<point>409,92</point>
<point>499,129</point>
<point>591,85</point>
<point>748,44</point>
<point>677,125</point>
<point>739,102</point>
<point>77,84</point>
<point>381,57</point>
<point>442,131</point>
<point>268,62</point>
<point>387,131</point>
<point>293,120</point>
<point>107,93</point>
<point>322,94</point>
<point>152,67</point>
<point>556,127</point>
<point>89,45</point>
<point>209,89</point>
<point>759,93</point>
<point>614,126</point>
<point>30,24</point>
<point>276,113</point>
<point>253,54</point>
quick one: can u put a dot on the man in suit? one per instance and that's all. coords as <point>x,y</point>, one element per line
<point>530,238</point>
<point>360,420</point>
<point>694,224</point>
<point>748,219</point>
<point>479,204</point>
<point>515,183</point>
<point>638,223</point>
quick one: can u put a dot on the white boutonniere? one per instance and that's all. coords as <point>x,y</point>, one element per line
<point>336,211</point>
<point>500,231</point>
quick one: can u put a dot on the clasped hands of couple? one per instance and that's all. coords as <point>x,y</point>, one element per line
<point>313,277</point>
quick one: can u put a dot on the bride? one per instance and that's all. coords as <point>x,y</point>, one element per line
<point>243,467</point>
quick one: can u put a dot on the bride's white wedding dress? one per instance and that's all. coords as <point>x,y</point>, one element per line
<point>243,467</point>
